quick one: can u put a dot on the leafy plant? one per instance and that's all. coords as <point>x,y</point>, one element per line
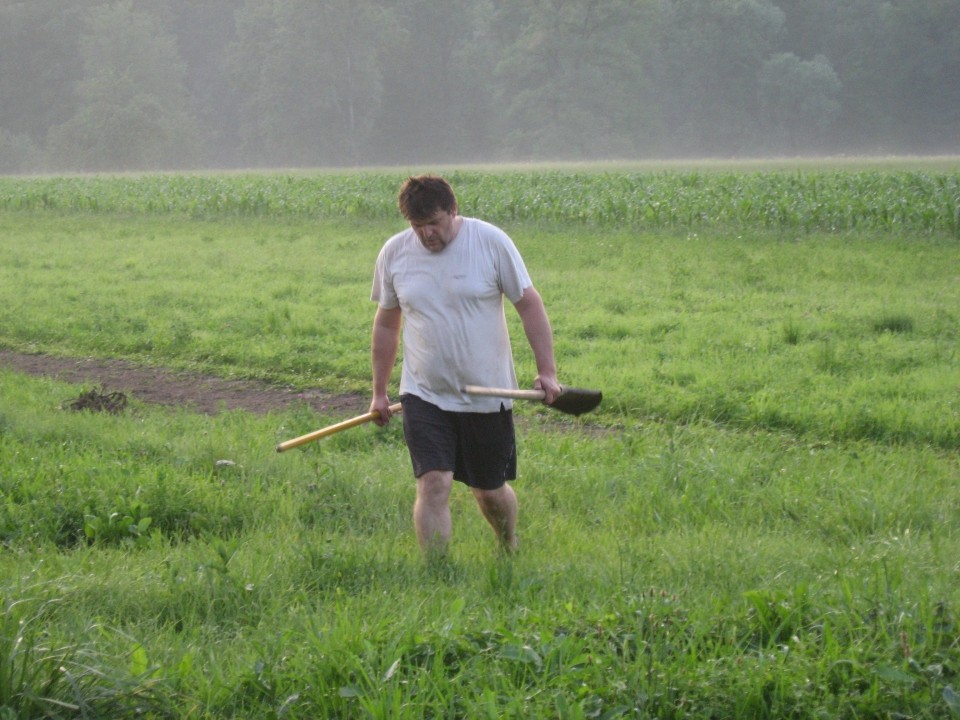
<point>126,525</point>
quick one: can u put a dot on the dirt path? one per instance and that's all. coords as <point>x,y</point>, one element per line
<point>201,393</point>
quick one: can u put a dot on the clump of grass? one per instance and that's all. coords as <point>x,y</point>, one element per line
<point>893,323</point>
<point>791,332</point>
<point>41,678</point>
<point>827,357</point>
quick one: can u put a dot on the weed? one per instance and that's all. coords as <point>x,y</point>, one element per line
<point>791,332</point>
<point>127,524</point>
<point>894,323</point>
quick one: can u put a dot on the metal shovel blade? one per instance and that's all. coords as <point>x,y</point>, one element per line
<point>577,401</point>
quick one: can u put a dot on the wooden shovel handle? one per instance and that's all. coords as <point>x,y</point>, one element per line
<point>505,392</point>
<point>332,429</point>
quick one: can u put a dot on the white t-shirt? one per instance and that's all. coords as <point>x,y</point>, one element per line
<point>454,328</point>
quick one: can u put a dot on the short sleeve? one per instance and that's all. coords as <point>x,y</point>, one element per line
<point>383,291</point>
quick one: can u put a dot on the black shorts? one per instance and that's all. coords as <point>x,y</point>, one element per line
<point>480,448</point>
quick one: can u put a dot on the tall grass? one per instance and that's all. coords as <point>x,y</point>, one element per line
<point>761,521</point>
<point>829,336</point>
<point>666,570</point>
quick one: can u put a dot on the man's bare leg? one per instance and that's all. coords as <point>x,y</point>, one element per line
<point>431,512</point>
<point>499,507</point>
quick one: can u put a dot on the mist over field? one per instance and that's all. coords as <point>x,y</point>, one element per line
<point>173,84</point>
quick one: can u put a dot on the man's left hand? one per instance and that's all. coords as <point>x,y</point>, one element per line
<point>550,386</point>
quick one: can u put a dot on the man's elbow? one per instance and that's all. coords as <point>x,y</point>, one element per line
<point>529,300</point>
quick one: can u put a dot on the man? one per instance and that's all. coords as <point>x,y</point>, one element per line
<point>443,280</point>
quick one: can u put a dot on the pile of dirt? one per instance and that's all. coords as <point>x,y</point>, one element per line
<point>99,400</point>
<point>194,391</point>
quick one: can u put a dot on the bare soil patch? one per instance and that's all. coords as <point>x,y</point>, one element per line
<point>193,391</point>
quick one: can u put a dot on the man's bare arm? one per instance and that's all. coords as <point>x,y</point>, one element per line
<point>536,326</point>
<point>384,344</point>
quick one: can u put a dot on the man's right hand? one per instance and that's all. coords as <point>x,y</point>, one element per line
<point>381,406</point>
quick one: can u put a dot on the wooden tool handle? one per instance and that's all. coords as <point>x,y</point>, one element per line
<point>505,392</point>
<point>332,429</point>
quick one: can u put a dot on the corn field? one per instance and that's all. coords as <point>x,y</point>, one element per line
<point>917,202</point>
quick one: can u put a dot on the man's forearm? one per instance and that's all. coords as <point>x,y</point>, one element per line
<point>540,337</point>
<point>382,367</point>
<point>536,326</point>
<point>384,345</point>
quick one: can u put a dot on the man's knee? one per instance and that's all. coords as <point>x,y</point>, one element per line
<point>435,485</point>
<point>494,498</point>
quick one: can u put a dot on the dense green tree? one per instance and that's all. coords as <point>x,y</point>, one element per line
<point>923,57</point>
<point>18,153</point>
<point>571,80</point>
<point>854,36</point>
<point>711,55</point>
<point>798,103</point>
<point>310,79</point>
<point>204,32</point>
<point>256,25</point>
<point>437,65</point>
<point>119,84</point>
<point>38,44</point>
<point>132,108</point>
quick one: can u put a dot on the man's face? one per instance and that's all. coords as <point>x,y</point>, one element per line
<point>438,231</point>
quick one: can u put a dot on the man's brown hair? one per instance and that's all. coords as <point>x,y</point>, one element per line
<point>421,197</point>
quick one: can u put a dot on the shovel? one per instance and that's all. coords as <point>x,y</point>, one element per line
<point>324,432</point>
<point>573,401</point>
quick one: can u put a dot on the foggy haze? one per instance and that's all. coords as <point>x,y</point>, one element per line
<point>176,84</point>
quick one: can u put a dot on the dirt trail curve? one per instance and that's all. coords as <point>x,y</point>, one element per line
<point>194,391</point>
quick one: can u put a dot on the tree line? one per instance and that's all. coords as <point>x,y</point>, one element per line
<point>175,84</point>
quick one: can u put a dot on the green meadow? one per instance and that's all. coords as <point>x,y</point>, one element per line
<point>762,520</point>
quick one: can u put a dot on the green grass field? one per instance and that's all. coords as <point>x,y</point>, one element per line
<point>762,520</point>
